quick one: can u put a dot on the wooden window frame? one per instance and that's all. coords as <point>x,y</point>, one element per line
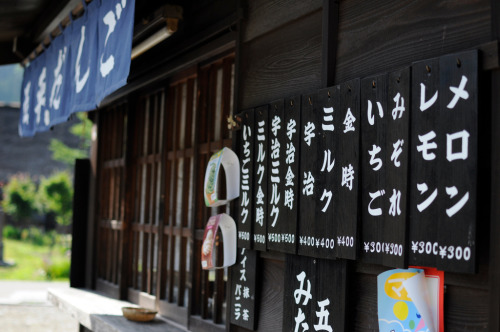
<point>196,313</point>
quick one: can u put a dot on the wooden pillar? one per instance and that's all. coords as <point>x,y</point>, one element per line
<point>330,31</point>
<point>494,263</point>
<point>90,256</point>
<point>80,219</point>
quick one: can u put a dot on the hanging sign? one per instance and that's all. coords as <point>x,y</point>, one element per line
<point>115,24</point>
<point>348,153</point>
<point>88,61</point>
<point>315,294</point>
<point>443,175</point>
<point>317,164</point>
<point>246,153</point>
<point>243,290</point>
<point>282,232</point>
<point>384,155</point>
<point>346,188</point>
<point>227,227</point>
<point>329,167</point>
<point>260,183</point>
<point>229,161</point>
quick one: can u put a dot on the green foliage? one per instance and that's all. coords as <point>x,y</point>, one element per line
<point>33,235</point>
<point>63,153</point>
<point>19,197</point>
<point>34,262</point>
<point>37,237</point>
<point>67,155</point>
<point>57,268</point>
<point>55,194</point>
<point>11,232</point>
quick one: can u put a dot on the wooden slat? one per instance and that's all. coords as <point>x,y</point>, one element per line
<point>113,163</point>
<point>227,66</point>
<point>176,132</point>
<point>186,190</point>
<point>384,45</point>
<point>219,287</point>
<point>145,228</point>
<point>266,16</point>
<point>111,224</point>
<point>330,30</point>
<point>262,60</point>
<point>165,252</point>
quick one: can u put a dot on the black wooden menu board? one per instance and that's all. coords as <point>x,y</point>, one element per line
<point>311,301</point>
<point>243,289</point>
<point>261,170</point>
<point>317,167</point>
<point>345,193</point>
<point>246,156</point>
<point>384,155</point>
<point>444,162</point>
<point>282,231</point>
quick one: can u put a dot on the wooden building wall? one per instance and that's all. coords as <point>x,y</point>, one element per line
<point>283,54</point>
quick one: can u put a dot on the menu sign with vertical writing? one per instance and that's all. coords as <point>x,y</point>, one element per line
<point>243,289</point>
<point>311,301</point>
<point>246,153</point>
<point>345,194</point>
<point>396,153</point>
<point>317,163</point>
<point>282,230</point>
<point>444,162</point>
<point>260,216</point>
<point>384,155</point>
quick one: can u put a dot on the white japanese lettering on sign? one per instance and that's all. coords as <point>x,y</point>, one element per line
<point>302,296</point>
<point>275,162</point>
<point>427,144</point>
<point>245,174</point>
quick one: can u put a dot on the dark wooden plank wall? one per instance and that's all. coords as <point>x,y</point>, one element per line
<point>281,56</point>
<point>281,62</point>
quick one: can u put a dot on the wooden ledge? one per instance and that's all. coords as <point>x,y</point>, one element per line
<point>99,313</point>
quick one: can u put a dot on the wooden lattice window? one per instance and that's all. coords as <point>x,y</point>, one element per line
<point>152,209</point>
<point>216,82</point>
<point>179,165</point>
<point>147,173</point>
<point>111,180</point>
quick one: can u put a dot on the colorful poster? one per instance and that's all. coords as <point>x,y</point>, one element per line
<point>410,300</point>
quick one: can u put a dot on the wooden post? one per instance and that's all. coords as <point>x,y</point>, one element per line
<point>80,219</point>
<point>330,31</point>
<point>494,263</point>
